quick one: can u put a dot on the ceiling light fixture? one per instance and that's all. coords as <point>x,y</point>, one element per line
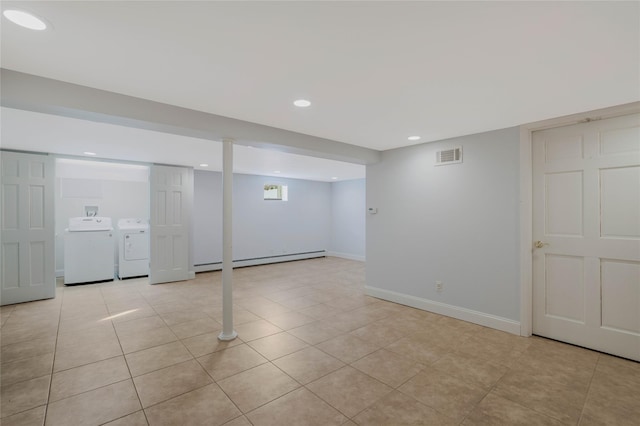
<point>89,153</point>
<point>414,138</point>
<point>334,178</point>
<point>25,19</point>
<point>276,171</point>
<point>302,103</point>
<point>204,165</point>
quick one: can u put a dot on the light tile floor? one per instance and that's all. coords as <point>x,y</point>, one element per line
<point>312,350</point>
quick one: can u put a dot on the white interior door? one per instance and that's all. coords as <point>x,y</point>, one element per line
<point>27,225</point>
<point>586,216</point>
<point>171,190</point>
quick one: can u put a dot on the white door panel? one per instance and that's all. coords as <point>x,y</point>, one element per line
<point>27,226</point>
<point>171,190</point>
<point>586,193</point>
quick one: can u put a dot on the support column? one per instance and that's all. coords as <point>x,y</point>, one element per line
<point>228,333</point>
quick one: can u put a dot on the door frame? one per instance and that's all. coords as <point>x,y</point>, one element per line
<point>526,198</point>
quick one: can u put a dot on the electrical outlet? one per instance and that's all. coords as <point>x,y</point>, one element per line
<point>439,286</point>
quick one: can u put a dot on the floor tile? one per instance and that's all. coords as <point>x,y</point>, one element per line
<point>544,394</point>
<point>196,327</point>
<point>418,350</point>
<point>399,409</point>
<point>204,344</point>
<point>85,354</point>
<point>129,314</point>
<point>33,417</point>
<point>205,406</point>
<point>164,384</point>
<point>88,377</point>
<point>138,341</point>
<point>238,421</point>
<point>347,348</point>
<point>88,336</point>
<point>299,407</point>
<point>613,397</point>
<point>349,390</point>
<point>315,332</point>
<point>23,396</point>
<point>524,380</point>
<point>243,391</point>
<point>25,369</point>
<point>115,401</point>
<point>476,371</point>
<point>290,320</point>
<point>256,329</point>
<point>136,419</point>
<point>320,311</point>
<point>27,349</point>
<point>446,394</point>
<point>177,317</point>
<point>231,361</point>
<point>378,334</point>
<point>388,367</point>
<point>139,325</point>
<point>308,364</point>
<point>157,357</point>
<point>494,410</point>
<point>277,345</point>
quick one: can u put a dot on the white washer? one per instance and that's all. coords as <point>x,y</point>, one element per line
<point>89,250</point>
<point>133,248</point>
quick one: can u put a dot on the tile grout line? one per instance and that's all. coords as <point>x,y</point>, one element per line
<point>113,327</point>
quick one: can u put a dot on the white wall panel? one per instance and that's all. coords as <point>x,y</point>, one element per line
<point>564,287</point>
<point>10,256</point>
<point>564,197</point>
<point>620,141</point>
<point>10,204</point>
<point>621,295</point>
<point>563,148</point>
<point>620,202</point>
<point>37,264</point>
<point>36,207</point>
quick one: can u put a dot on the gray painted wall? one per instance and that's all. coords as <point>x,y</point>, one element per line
<point>348,228</point>
<point>458,223</point>
<point>260,228</point>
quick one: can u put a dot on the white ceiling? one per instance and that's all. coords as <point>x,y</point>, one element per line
<point>375,72</point>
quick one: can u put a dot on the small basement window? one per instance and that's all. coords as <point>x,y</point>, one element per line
<point>276,192</point>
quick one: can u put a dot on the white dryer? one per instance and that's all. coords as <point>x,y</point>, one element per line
<point>89,250</point>
<point>133,248</point>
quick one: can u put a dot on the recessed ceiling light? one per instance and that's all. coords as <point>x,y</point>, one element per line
<point>89,153</point>
<point>276,171</point>
<point>204,165</point>
<point>414,138</point>
<point>25,19</point>
<point>334,178</point>
<point>302,103</point>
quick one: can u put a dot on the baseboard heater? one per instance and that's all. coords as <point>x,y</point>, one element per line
<point>240,263</point>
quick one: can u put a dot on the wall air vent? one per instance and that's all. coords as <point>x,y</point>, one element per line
<point>449,156</point>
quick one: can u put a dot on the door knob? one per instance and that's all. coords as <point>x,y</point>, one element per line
<point>540,244</point>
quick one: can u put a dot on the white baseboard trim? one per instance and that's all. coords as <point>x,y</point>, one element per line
<point>260,261</point>
<point>346,256</point>
<point>469,315</point>
<point>59,273</point>
<point>192,275</point>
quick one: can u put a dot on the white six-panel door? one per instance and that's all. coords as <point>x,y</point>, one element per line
<point>586,222</point>
<point>171,190</point>
<point>27,253</point>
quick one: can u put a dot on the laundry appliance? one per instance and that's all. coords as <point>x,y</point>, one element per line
<point>133,248</point>
<point>89,255</point>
